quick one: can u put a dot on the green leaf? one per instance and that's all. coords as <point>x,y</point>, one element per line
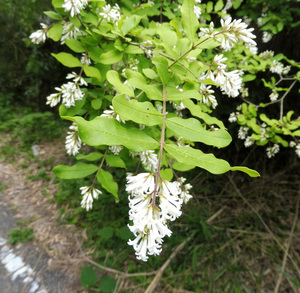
<point>161,65</point>
<point>174,94</point>
<point>166,174</point>
<point>92,72</point>
<point>209,6</point>
<point>88,277</point>
<point>219,5</point>
<point>248,77</point>
<point>96,104</point>
<point>108,131</point>
<point>129,23</point>
<point>150,73</point>
<point>191,156</point>
<point>191,129</point>
<point>182,167</point>
<point>57,3</point>
<point>139,112</point>
<point>114,79</point>
<point>67,59</point>
<point>75,45</point>
<point>189,20</point>
<point>106,233</point>
<point>131,49</point>
<point>237,4</point>
<point>110,57</point>
<point>108,183</point>
<point>107,284</point>
<point>94,156</point>
<point>79,170</point>
<point>250,172</point>
<point>64,111</point>
<point>53,15</point>
<point>95,53</point>
<point>55,32</point>
<point>115,161</point>
<point>196,111</point>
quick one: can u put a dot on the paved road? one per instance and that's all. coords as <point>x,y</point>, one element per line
<point>23,268</point>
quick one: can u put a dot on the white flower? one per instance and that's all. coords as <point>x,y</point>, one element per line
<point>266,54</point>
<point>274,96</point>
<point>252,48</point>
<point>149,160</point>
<point>54,99</point>
<point>207,31</point>
<point>141,184</point>
<point>184,195</point>
<point>298,150</point>
<point>207,96</point>
<point>85,59</point>
<point>263,135</point>
<point>232,84</point>
<point>266,37</point>
<point>111,14</point>
<point>243,132</point>
<point>74,6</point>
<point>197,11</point>
<point>71,93</point>
<point>233,117</point>
<point>276,67</point>
<point>40,35</point>
<point>70,31</point>
<point>73,141</point>
<point>76,78</point>
<point>112,114</point>
<point>178,108</point>
<point>272,151</point>
<point>115,149</point>
<point>149,222</point>
<point>286,70</point>
<point>89,194</point>
<point>236,30</point>
<point>249,141</point>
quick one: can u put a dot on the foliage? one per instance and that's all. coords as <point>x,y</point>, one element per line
<point>140,94</point>
<point>20,235</point>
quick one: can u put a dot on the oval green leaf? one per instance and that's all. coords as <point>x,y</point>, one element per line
<point>79,170</point>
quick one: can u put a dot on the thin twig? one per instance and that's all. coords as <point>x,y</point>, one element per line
<point>287,248</point>
<point>156,279</point>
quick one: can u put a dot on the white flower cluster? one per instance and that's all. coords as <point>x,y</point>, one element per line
<point>207,96</point>
<point>233,30</point>
<point>243,131</point>
<point>233,117</point>
<point>266,37</point>
<point>69,92</point>
<point>278,67</point>
<point>74,6</point>
<point>266,54</point>
<point>115,149</point>
<point>197,9</point>
<point>272,151</point>
<point>111,13</point>
<point>230,81</point>
<point>149,160</point>
<point>89,194</point>
<point>274,96</point>
<point>70,31</point>
<point>149,221</point>
<point>40,35</point>
<point>73,141</point>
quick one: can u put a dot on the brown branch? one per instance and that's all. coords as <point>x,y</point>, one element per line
<point>156,279</point>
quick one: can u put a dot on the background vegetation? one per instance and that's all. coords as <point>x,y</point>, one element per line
<point>237,235</point>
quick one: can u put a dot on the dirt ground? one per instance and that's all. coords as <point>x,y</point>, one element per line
<point>61,243</point>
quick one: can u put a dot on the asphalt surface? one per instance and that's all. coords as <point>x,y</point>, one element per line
<point>23,267</point>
